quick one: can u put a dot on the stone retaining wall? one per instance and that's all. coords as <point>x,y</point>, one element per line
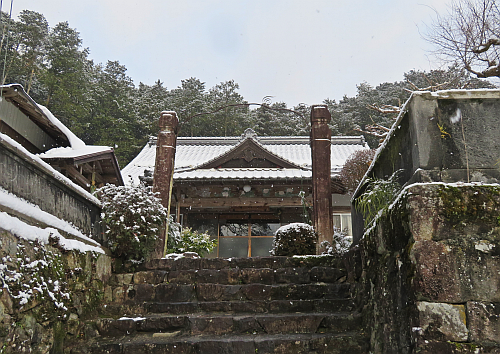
<point>47,294</point>
<point>431,272</point>
<point>30,179</point>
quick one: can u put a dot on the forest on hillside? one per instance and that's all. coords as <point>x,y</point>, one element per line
<point>102,105</point>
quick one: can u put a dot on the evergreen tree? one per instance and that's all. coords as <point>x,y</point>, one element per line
<point>228,121</point>
<point>67,76</point>
<point>114,121</point>
<point>188,100</point>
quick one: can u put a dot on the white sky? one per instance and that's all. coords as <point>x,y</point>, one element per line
<point>295,50</point>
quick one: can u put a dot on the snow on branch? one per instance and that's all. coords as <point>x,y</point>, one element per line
<point>385,108</point>
<point>481,48</point>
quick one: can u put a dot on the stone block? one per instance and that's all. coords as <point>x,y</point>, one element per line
<point>294,323</point>
<point>211,325</point>
<point>209,292</point>
<point>162,324</point>
<point>174,293</point>
<point>299,275</point>
<point>141,292</point>
<point>341,323</point>
<point>110,327</point>
<point>249,306</point>
<point>283,306</point>
<point>103,267</point>
<point>246,325</point>
<point>225,346</point>
<point>257,275</point>
<point>435,278</point>
<point>215,263</point>
<point>215,306</point>
<point>218,292</point>
<point>7,306</point>
<point>182,277</point>
<point>119,294</point>
<point>219,276</point>
<point>484,322</point>
<point>300,292</point>
<point>257,291</point>
<point>108,294</point>
<point>433,347</point>
<point>441,321</point>
<point>172,308</point>
<point>150,277</point>
<point>457,271</point>
<point>326,274</point>
<point>124,279</point>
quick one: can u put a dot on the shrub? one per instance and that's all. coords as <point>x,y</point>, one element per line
<point>191,241</point>
<point>355,168</point>
<point>133,217</point>
<point>341,244</point>
<point>378,195</point>
<point>294,239</point>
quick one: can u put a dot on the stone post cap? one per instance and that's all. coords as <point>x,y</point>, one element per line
<point>168,119</point>
<point>320,112</point>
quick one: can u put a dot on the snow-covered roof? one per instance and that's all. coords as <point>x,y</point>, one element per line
<point>193,152</point>
<point>37,161</point>
<point>70,152</point>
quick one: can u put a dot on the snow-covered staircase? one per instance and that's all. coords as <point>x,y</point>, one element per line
<point>245,305</point>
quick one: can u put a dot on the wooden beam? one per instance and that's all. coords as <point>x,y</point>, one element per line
<point>243,202</point>
<point>73,173</point>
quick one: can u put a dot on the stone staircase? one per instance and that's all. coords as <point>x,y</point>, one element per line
<point>245,305</point>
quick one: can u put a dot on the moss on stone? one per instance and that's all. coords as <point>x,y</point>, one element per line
<point>469,204</point>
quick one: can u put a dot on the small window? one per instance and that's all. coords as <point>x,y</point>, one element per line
<point>343,222</point>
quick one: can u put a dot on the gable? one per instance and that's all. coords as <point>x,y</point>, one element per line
<point>249,154</point>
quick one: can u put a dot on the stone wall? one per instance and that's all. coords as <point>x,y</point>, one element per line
<point>431,271</point>
<point>47,294</point>
<point>38,183</point>
<point>444,136</point>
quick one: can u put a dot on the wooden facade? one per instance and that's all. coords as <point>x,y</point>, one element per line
<point>241,189</point>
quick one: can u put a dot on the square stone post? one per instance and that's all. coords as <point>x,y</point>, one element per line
<point>164,166</point>
<point>321,174</point>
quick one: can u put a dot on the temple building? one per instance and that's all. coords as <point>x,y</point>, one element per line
<point>241,189</point>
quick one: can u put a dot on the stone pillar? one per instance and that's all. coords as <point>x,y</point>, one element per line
<point>321,174</point>
<point>164,165</point>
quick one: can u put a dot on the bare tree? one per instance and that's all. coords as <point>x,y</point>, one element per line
<point>470,35</point>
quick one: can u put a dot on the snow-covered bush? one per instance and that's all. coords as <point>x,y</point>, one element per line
<point>133,217</point>
<point>191,241</point>
<point>294,239</point>
<point>341,243</point>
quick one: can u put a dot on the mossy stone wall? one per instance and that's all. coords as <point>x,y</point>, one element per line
<point>431,272</point>
<point>47,294</point>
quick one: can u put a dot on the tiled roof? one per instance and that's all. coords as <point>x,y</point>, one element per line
<point>194,152</point>
<point>242,173</point>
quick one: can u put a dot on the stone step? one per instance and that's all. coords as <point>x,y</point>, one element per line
<point>234,276</point>
<point>252,262</point>
<point>236,307</point>
<point>224,324</point>
<point>317,343</point>
<point>166,292</point>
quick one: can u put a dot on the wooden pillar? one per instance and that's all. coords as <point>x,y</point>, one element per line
<point>164,165</point>
<point>321,174</point>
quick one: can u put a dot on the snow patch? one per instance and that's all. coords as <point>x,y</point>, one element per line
<point>456,117</point>
<point>76,143</point>
<point>32,233</point>
<point>24,207</point>
<point>484,246</point>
